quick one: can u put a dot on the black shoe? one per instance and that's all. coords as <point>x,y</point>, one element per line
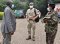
<point>28,38</point>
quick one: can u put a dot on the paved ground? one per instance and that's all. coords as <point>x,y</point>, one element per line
<point>21,34</point>
<point>0,33</point>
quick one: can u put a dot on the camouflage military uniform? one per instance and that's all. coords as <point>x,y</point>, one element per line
<point>51,27</point>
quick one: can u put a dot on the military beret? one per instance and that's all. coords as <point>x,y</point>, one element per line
<point>52,5</point>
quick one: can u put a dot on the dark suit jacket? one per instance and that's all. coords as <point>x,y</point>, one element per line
<point>9,21</point>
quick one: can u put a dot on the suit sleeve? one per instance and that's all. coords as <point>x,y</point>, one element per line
<point>8,20</point>
<point>13,20</point>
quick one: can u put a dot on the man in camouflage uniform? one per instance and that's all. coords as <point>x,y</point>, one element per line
<point>51,24</point>
<point>30,15</point>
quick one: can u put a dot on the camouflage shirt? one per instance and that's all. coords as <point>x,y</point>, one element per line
<point>52,23</point>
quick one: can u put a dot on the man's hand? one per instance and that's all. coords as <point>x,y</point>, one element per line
<point>32,17</point>
<point>11,33</point>
<point>45,20</point>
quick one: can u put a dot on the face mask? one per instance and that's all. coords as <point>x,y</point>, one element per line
<point>48,9</point>
<point>31,6</point>
<point>12,5</point>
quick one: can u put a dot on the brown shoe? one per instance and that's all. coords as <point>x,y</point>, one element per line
<point>28,38</point>
<point>33,38</point>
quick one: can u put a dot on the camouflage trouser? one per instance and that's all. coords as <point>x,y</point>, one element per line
<point>50,38</point>
<point>31,24</point>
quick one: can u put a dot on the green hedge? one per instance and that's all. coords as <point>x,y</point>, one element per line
<point>1,15</point>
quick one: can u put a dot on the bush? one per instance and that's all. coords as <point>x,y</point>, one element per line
<point>42,6</point>
<point>1,15</point>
